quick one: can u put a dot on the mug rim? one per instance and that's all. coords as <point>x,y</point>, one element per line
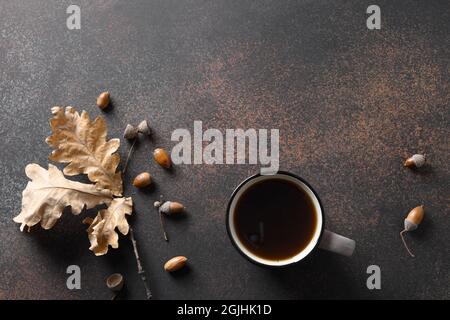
<point>233,240</point>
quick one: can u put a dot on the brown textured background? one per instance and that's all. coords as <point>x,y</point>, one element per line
<point>350,104</point>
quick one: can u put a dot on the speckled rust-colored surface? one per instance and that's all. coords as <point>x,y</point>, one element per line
<point>350,105</point>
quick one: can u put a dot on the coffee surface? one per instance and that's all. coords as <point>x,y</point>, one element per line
<point>275,219</point>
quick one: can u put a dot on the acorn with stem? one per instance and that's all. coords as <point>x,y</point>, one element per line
<point>167,208</point>
<point>412,222</point>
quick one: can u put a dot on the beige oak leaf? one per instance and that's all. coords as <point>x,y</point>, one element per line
<point>49,192</point>
<point>82,144</point>
<point>102,231</point>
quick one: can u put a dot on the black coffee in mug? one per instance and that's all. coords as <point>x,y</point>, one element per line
<point>275,219</point>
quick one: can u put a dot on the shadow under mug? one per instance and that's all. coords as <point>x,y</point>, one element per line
<point>322,238</point>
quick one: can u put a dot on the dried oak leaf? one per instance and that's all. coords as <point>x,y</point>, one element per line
<point>82,143</point>
<point>102,231</point>
<point>49,192</point>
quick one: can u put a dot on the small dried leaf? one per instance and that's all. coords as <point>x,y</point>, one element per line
<point>102,231</point>
<point>49,192</point>
<point>82,144</point>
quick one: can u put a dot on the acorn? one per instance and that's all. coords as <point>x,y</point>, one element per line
<point>414,218</point>
<point>417,160</point>
<point>142,180</point>
<point>103,100</point>
<point>174,264</point>
<point>162,158</point>
<point>412,222</point>
<point>170,207</point>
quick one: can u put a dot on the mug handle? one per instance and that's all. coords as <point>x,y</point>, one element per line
<point>336,243</point>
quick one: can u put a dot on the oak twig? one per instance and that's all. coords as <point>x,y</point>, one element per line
<point>141,271</point>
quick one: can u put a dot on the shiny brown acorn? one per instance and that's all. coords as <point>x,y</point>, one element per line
<point>162,158</point>
<point>103,100</point>
<point>174,264</point>
<point>142,180</point>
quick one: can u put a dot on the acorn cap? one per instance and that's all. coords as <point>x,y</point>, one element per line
<point>115,282</point>
<point>410,226</point>
<point>130,132</point>
<point>144,128</point>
